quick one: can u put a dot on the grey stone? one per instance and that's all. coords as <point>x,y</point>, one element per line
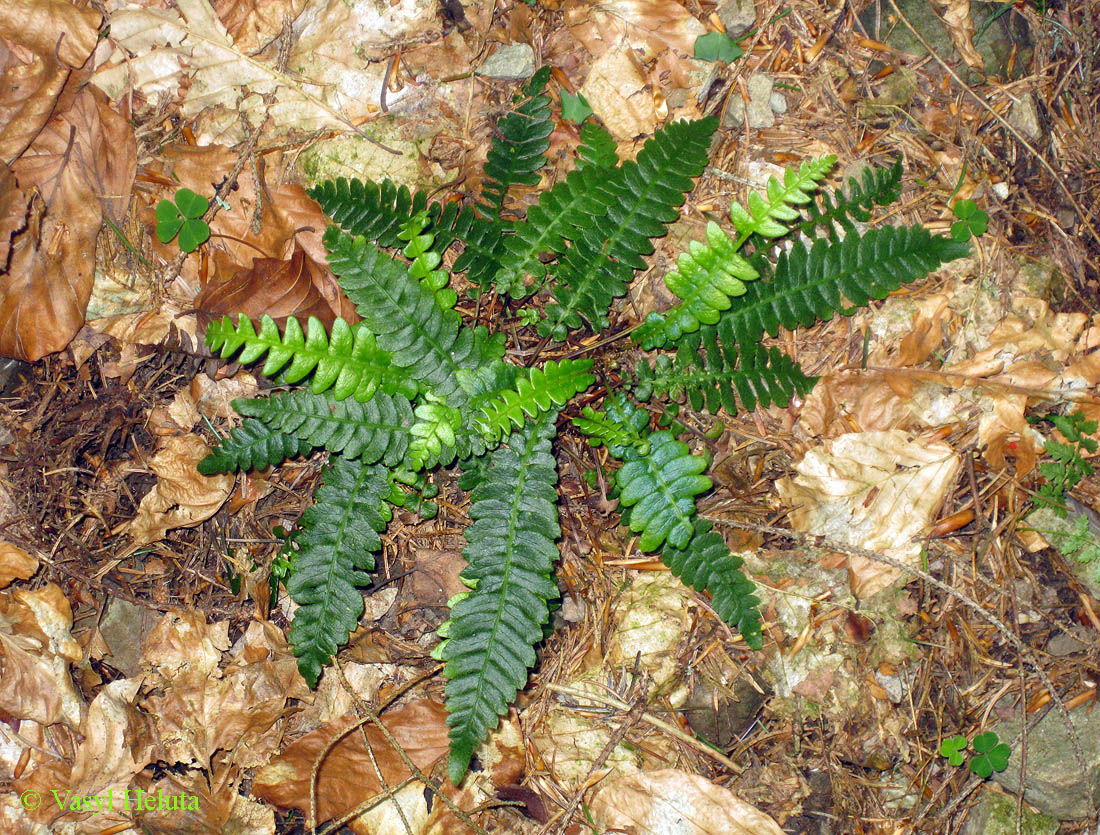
<point>510,61</point>
<point>738,16</point>
<point>1064,644</point>
<point>1024,116</point>
<point>995,814</point>
<point>122,628</point>
<point>1054,784</point>
<point>778,102</point>
<point>759,112</point>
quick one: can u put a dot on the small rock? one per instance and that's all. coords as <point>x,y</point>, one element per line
<point>738,16</point>
<point>1024,116</point>
<point>759,111</point>
<point>1001,190</point>
<point>123,628</point>
<point>510,61</point>
<point>1064,644</point>
<point>778,102</point>
<point>1055,784</point>
<point>995,814</point>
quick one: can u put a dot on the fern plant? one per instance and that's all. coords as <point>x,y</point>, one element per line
<point>414,387</point>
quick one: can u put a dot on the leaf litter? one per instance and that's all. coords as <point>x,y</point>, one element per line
<point>921,416</point>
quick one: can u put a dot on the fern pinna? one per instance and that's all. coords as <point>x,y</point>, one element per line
<point>414,387</point>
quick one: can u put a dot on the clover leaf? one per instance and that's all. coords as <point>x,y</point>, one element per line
<point>184,218</point>
<point>717,46</point>
<point>972,221</point>
<point>952,748</point>
<point>992,755</point>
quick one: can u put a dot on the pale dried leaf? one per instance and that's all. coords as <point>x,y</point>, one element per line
<point>254,24</point>
<point>649,26</point>
<point>347,776</point>
<point>213,397</point>
<point>873,490</point>
<point>35,652</point>
<point>616,91</point>
<point>203,808</point>
<point>182,642</point>
<point>182,497</point>
<point>672,802</point>
<point>50,27</point>
<point>956,15</point>
<point>15,564</point>
<point>29,94</point>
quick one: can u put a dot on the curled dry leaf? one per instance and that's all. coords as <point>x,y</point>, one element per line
<point>15,564</point>
<point>50,27</point>
<point>673,801</point>
<point>181,498</point>
<point>35,652</point>
<point>617,92</point>
<point>78,158</point>
<point>347,776</point>
<point>874,490</point>
<point>273,286</point>
<point>956,14</point>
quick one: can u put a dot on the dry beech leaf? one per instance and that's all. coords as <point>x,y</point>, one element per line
<point>673,802</point>
<point>15,564</point>
<point>874,490</point>
<point>30,92</point>
<point>183,642</point>
<point>50,27</point>
<point>182,497</point>
<point>273,286</point>
<point>216,808</point>
<point>956,14</point>
<point>254,24</point>
<point>649,26</point>
<point>36,650</point>
<point>347,776</point>
<point>616,91</point>
<point>79,157</point>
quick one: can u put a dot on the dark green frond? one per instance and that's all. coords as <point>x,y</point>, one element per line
<point>597,148</point>
<point>642,198</point>
<point>339,534</point>
<point>706,564</point>
<point>621,425</point>
<point>378,430</point>
<point>518,147</point>
<point>536,391</point>
<point>490,638</point>
<point>661,487</point>
<point>421,337</point>
<point>880,187</point>
<point>721,375</point>
<point>252,446</point>
<point>810,285</point>
<point>348,362</point>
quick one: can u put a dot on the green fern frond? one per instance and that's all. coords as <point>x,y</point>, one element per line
<point>721,375</point>
<point>349,361</point>
<point>518,147</point>
<point>378,430</point>
<point>836,213</point>
<point>642,198</point>
<point>706,564</point>
<point>762,216</point>
<point>597,148</point>
<point>425,262</point>
<point>339,534</point>
<point>376,211</point>
<point>808,285</point>
<point>601,429</point>
<point>252,446</point>
<point>427,341</point>
<point>489,640</point>
<point>660,487</point>
<point>707,277</point>
<point>536,391</point>
<point>434,439</point>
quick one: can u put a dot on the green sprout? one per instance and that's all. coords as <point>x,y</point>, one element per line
<point>972,221</point>
<point>184,218</point>
<point>717,46</point>
<point>574,108</point>
<point>952,748</point>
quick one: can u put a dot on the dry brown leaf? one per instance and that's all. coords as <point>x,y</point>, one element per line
<point>182,497</point>
<point>36,650</point>
<point>203,808</point>
<point>30,91</point>
<point>213,397</point>
<point>616,90</point>
<point>649,26</point>
<point>956,15</point>
<point>671,801</point>
<point>874,490</point>
<point>81,158</point>
<point>254,24</point>
<point>182,642</point>
<point>50,27</point>
<point>347,776</point>
<point>277,287</point>
<point>15,564</point>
